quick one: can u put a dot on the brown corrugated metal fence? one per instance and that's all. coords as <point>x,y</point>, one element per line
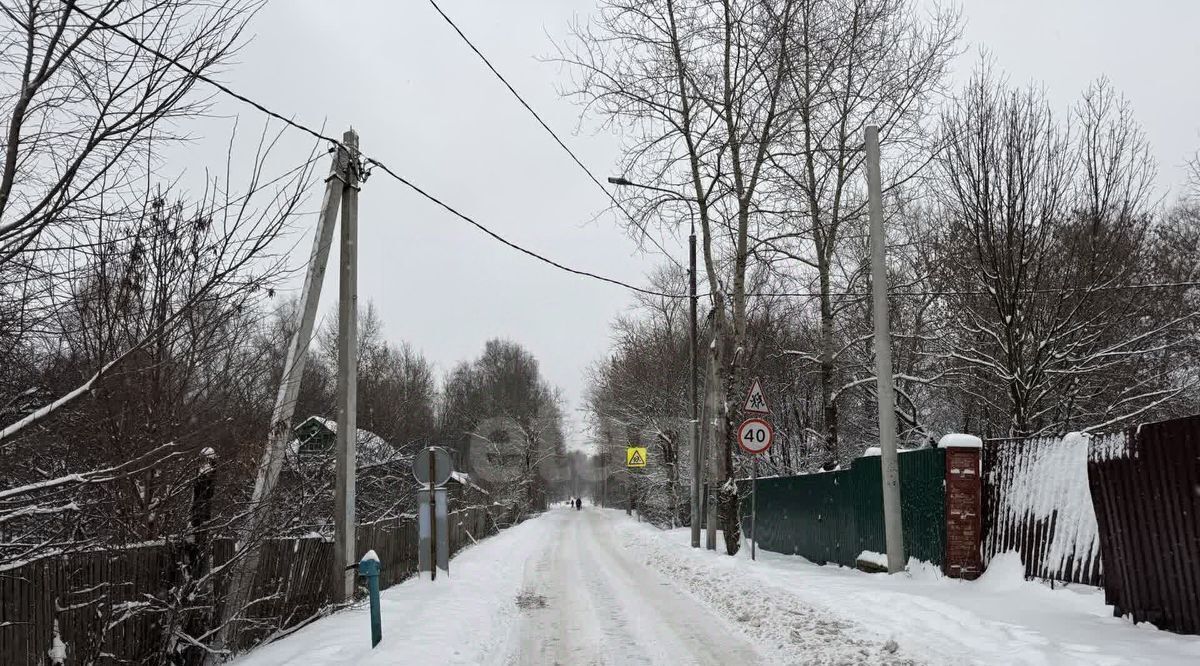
<point>1035,502</point>
<point>1147,501</point>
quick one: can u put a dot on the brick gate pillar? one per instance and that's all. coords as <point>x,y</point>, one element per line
<point>964,506</point>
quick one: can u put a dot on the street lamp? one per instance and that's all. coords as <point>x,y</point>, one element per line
<point>697,469</point>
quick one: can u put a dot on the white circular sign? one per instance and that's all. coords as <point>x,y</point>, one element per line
<point>755,435</point>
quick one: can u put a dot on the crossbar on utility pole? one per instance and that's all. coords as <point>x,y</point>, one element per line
<point>347,384</point>
<point>889,459</point>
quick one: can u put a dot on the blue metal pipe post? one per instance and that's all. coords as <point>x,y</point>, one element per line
<point>369,568</point>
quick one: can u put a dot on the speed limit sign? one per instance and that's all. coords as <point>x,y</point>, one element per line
<point>755,435</point>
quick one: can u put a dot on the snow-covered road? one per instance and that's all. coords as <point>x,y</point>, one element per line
<point>568,587</point>
<point>603,606</point>
<point>595,587</point>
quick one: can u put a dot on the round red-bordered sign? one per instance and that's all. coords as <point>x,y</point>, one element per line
<point>755,436</point>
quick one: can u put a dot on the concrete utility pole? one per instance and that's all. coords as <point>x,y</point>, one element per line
<point>280,432</point>
<point>889,460</point>
<point>697,476</point>
<point>347,384</point>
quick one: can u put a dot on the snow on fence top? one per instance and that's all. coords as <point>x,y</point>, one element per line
<point>1111,447</point>
<point>875,451</point>
<point>957,439</point>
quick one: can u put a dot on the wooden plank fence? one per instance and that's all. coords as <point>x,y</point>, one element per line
<point>111,606</point>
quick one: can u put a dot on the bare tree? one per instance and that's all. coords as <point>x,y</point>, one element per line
<point>698,89</point>
<point>1035,215</point>
<point>851,64</point>
<point>86,111</point>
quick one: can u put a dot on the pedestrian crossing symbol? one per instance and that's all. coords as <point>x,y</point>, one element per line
<point>756,401</point>
<point>635,456</point>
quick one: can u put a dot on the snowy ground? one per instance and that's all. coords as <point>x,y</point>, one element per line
<point>594,587</point>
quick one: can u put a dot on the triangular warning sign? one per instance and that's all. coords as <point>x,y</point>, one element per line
<point>636,458</point>
<point>756,402</point>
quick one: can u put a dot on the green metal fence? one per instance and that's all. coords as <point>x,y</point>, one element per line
<point>834,516</point>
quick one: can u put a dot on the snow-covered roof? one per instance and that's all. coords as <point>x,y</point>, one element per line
<point>370,449</point>
<point>465,479</point>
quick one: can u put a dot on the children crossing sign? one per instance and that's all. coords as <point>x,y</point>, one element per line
<point>635,456</point>
<point>756,401</point>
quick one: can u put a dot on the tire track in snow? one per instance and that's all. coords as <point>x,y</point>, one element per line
<point>605,608</point>
<point>796,632</point>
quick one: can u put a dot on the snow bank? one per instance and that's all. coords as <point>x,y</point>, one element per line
<point>465,617</point>
<point>1005,573</point>
<point>796,630</point>
<point>871,557</point>
<point>999,619</point>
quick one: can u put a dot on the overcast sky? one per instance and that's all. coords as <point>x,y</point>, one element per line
<point>426,106</point>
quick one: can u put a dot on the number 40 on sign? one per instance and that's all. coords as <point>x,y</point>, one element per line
<point>755,435</point>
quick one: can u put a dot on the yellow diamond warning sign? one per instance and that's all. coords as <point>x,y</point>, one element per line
<point>635,456</point>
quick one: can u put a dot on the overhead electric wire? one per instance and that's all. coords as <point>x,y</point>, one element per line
<point>320,136</point>
<point>202,77</point>
<point>545,126</point>
<point>292,123</point>
<point>466,218</point>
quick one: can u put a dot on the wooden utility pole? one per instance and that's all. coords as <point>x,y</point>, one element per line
<point>347,384</point>
<point>889,459</point>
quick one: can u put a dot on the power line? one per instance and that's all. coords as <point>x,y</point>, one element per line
<point>318,135</point>
<point>291,123</point>
<point>463,216</point>
<point>202,77</point>
<point>546,127</point>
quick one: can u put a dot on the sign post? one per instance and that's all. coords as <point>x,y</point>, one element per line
<point>432,468</point>
<point>753,508</point>
<point>754,437</point>
<point>635,457</point>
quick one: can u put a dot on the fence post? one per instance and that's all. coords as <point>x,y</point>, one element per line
<point>197,557</point>
<point>964,493</point>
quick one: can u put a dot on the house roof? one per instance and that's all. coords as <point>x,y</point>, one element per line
<point>370,449</point>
